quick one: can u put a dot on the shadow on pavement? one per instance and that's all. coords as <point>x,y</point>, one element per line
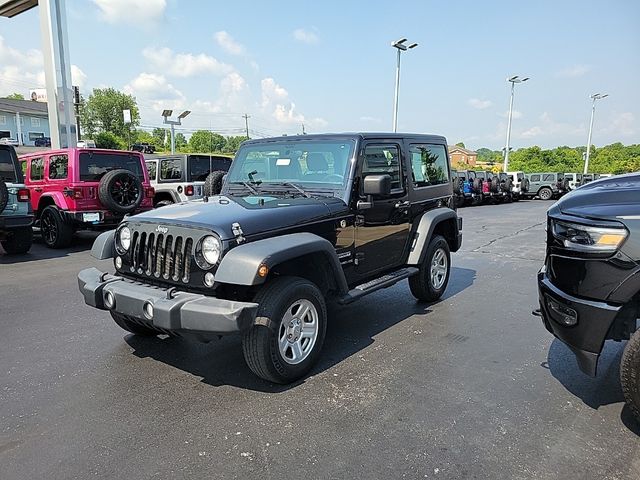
<point>351,329</point>
<point>39,251</point>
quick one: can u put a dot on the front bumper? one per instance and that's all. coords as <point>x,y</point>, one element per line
<point>587,336</point>
<point>173,311</point>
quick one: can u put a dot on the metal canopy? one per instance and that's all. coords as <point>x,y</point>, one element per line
<point>11,8</point>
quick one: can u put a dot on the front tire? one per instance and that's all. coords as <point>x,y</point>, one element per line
<point>545,193</point>
<point>630,374</point>
<point>132,327</point>
<point>431,281</point>
<point>56,233</point>
<point>19,242</point>
<point>289,330</point>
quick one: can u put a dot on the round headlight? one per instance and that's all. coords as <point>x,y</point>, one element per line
<point>124,238</point>
<point>211,249</point>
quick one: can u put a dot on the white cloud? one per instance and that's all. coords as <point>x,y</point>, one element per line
<point>622,124</point>
<point>548,127</point>
<point>306,36</point>
<point>152,90</point>
<point>480,104</point>
<point>532,132</point>
<point>276,102</point>
<point>20,70</point>
<point>131,11</point>
<point>228,44</point>
<point>78,77</point>
<point>184,64</point>
<point>574,71</point>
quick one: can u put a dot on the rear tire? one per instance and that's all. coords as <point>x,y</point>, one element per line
<point>630,374</point>
<point>132,327</point>
<point>545,193</point>
<point>56,233</point>
<point>4,195</point>
<point>431,281</point>
<point>289,330</point>
<point>213,183</point>
<point>19,241</point>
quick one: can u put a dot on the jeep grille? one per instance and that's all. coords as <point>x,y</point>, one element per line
<point>164,257</point>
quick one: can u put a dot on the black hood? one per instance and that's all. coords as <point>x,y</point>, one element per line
<point>607,198</point>
<point>256,214</point>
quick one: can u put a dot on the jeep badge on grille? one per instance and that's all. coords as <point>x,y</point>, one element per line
<point>161,229</point>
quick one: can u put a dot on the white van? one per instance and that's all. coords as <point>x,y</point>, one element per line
<point>86,144</point>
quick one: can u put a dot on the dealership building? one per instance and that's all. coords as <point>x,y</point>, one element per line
<point>23,120</point>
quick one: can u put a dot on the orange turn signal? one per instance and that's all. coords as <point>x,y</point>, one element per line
<point>263,270</point>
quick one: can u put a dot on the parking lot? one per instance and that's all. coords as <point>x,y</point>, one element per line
<point>470,387</point>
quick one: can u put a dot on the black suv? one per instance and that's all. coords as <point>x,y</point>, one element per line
<point>300,220</point>
<point>590,283</point>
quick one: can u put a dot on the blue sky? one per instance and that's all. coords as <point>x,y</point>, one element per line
<point>330,65</point>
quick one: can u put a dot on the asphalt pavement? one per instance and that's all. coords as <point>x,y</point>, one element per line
<point>471,387</point>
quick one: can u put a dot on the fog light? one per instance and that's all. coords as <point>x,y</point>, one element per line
<point>118,263</point>
<point>208,279</point>
<point>561,314</point>
<point>148,310</point>
<point>109,300</point>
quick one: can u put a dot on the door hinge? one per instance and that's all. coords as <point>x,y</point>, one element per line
<point>359,220</point>
<point>359,258</point>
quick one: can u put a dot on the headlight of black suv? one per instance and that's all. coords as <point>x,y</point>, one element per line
<point>587,238</point>
<point>208,252</point>
<point>123,239</point>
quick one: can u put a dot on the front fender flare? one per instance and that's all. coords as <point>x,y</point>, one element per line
<point>104,246</point>
<point>240,265</point>
<point>424,231</point>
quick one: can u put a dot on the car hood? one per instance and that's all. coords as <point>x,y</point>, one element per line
<point>614,197</point>
<point>256,214</point>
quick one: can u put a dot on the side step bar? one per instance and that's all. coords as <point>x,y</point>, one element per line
<point>378,284</point>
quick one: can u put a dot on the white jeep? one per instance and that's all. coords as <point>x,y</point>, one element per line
<point>182,177</point>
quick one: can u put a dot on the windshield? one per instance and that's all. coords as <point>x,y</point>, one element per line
<point>7,168</point>
<point>311,164</point>
<point>93,166</point>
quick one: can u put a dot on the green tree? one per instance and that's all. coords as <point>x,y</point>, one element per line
<point>159,135</point>
<point>204,141</point>
<point>110,141</point>
<point>15,96</point>
<point>180,140</point>
<point>102,112</point>
<point>233,143</point>
<point>460,144</point>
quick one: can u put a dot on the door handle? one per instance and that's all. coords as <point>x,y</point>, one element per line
<point>404,204</point>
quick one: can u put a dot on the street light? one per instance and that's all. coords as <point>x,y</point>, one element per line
<point>594,97</point>
<point>401,47</point>
<point>166,114</point>
<point>514,79</point>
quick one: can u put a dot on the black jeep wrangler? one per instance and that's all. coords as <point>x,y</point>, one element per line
<point>300,221</point>
<point>590,283</point>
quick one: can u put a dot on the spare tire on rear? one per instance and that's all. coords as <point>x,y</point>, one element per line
<point>456,185</point>
<point>4,195</point>
<point>213,183</point>
<point>506,184</point>
<point>120,191</point>
<point>524,185</point>
<point>495,184</point>
<point>477,185</point>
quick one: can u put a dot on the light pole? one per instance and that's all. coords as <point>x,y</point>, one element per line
<point>594,97</point>
<point>400,45</point>
<point>515,79</point>
<point>166,114</point>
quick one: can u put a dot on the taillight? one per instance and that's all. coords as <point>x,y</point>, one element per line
<point>150,192</point>
<point>24,195</point>
<point>78,193</point>
<point>188,190</point>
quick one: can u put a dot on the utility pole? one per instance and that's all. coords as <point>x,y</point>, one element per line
<point>594,97</point>
<point>303,132</point>
<point>401,47</point>
<point>246,123</point>
<point>513,80</point>
<point>76,103</point>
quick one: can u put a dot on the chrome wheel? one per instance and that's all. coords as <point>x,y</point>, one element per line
<point>438,272</point>
<point>298,331</point>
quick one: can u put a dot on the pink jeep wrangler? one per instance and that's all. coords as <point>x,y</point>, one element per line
<point>84,189</point>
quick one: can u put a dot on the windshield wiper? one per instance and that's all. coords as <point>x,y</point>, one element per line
<point>298,188</point>
<point>247,186</point>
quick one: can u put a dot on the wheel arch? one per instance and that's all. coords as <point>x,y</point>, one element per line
<point>51,199</point>
<point>440,221</point>
<point>300,254</point>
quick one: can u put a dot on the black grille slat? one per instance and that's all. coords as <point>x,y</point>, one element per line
<point>177,271</point>
<point>159,256</point>
<point>134,252</point>
<point>187,264</point>
<point>168,259</point>
<point>149,254</point>
<point>141,257</point>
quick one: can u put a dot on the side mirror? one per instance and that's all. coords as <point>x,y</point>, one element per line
<point>377,185</point>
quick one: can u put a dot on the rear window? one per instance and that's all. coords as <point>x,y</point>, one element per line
<point>7,168</point>
<point>201,166</point>
<point>93,166</point>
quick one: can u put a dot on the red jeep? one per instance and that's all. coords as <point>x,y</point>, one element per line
<point>84,189</point>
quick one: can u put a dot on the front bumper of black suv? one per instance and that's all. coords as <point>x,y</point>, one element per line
<point>592,321</point>
<point>166,309</point>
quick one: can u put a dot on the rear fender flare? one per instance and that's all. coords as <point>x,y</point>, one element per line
<point>58,198</point>
<point>424,232</point>
<point>240,265</point>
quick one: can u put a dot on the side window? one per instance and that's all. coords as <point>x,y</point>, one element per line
<point>549,177</point>
<point>535,178</point>
<point>383,159</point>
<point>171,169</point>
<point>23,167</point>
<point>37,169</point>
<point>429,165</point>
<point>58,167</point>
<point>152,169</point>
